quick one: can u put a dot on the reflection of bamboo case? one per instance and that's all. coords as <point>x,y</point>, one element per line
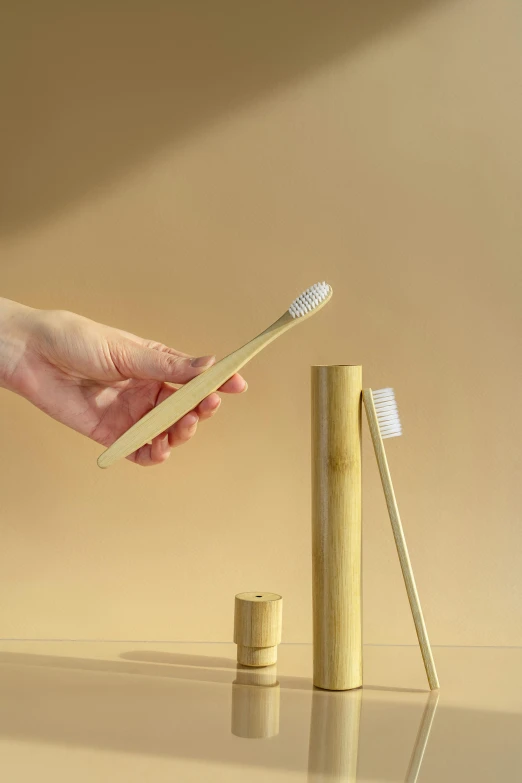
<point>334,737</point>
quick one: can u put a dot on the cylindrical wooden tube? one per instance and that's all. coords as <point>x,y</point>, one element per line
<point>336,526</point>
<point>257,627</point>
<point>255,703</point>
<point>334,737</point>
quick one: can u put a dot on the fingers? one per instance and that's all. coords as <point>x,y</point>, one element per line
<point>208,407</point>
<point>152,453</point>
<point>234,385</point>
<point>149,360</point>
<point>180,433</point>
<point>183,430</point>
<point>159,450</point>
<point>155,363</point>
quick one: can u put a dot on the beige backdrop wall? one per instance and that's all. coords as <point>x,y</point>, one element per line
<point>183,171</point>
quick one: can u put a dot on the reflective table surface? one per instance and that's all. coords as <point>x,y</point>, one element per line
<point>134,711</point>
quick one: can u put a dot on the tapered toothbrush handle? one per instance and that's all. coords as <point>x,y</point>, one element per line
<point>191,394</point>
<point>400,540</point>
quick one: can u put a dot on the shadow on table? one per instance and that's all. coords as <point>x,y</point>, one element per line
<point>184,710</point>
<point>177,666</point>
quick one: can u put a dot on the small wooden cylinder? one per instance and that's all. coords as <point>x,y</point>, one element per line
<point>257,627</point>
<point>255,703</point>
<point>336,526</point>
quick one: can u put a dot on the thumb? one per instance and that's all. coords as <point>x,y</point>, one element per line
<point>138,361</point>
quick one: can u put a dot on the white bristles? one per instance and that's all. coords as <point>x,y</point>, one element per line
<point>309,299</point>
<point>387,413</point>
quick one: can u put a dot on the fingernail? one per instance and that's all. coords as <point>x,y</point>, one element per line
<point>245,386</point>
<point>202,361</point>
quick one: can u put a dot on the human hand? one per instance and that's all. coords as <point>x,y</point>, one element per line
<point>96,379</point>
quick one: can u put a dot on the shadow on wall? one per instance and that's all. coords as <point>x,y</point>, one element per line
<point>90,90</point>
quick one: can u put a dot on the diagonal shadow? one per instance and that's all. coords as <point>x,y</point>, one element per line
<point>168,712</point>
<point>200,662</point>
<point>91,90</point>
<point>171,666</point>
<point>179,659</point>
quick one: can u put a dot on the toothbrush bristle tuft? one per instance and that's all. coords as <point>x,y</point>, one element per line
<point>387,413</point>
<point>309,299</point>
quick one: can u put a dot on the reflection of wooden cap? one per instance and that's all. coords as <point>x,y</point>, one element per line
<point>257,627</point>
<point>262,675</point>
<point>255,703</point>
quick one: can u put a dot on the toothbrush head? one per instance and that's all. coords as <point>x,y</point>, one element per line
<point>387,413</point>
<point>314,297</point>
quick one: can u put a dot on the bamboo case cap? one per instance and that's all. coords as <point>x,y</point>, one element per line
<point>257,627</point>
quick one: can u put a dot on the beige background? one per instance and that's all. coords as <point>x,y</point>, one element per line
<point>183,170</point>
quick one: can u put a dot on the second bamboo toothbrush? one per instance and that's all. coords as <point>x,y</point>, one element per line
<point>384,422</point>
<point>190,395</point>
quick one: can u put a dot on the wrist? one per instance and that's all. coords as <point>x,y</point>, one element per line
<point>15,320</point>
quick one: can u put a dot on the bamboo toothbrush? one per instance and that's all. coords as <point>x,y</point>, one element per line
<point>384,422</point>
<point>190,395</point>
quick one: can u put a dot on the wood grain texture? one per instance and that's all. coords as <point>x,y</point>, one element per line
<point>400,540</point>
<point>192,393</point>
<point>256,656</point>
<point>258,619</point>
<point>336,526</point>
<point>334,736</point>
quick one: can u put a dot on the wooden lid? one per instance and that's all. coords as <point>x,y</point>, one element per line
<point>258,619</point>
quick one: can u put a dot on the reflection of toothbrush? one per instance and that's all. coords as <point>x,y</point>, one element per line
<point>383,418</point>
<point>192,393</point>
<point>423,735</point>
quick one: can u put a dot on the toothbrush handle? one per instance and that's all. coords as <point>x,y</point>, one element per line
<point>400,541</point>
<point>190,395</point>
